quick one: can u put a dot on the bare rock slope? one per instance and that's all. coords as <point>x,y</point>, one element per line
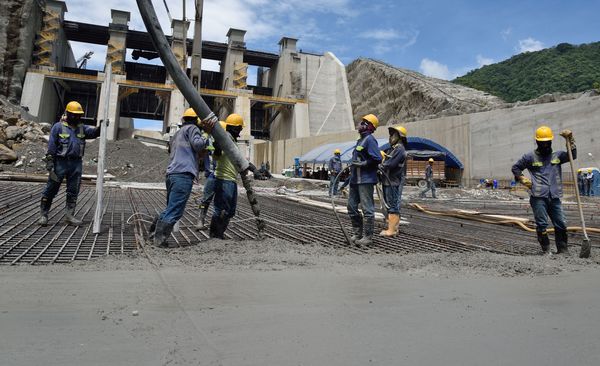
<point>398,95</point>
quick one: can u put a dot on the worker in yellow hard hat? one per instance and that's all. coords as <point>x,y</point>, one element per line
<point>226,181</point>
<point>363,178</point>
<point>545,186</point>
<point>429,179</point>
<point>335,167</point>
<point>66,146</point>
<point>186,146</point>
<point>392,177</point>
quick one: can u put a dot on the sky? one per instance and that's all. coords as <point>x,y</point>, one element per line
<point>438,38</point>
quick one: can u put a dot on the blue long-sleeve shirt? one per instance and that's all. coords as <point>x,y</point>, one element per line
<point>185,145</point>
<point>69,141</point>
<point>546,172</point>
<point>393,165</point>
<point>335,164</point>
<point>367,150</point>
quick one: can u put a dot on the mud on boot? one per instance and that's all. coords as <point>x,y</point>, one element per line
<point>162,234</point>
<point>357,228</point>
<point>44,209</point>
<point>367,239</point>
<point>201,225</point>
<point>562,241</point>
<point>70,218</point>
<point>544,241</point>
<point>152,228</point>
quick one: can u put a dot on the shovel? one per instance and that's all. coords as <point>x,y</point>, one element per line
<point>585,245</point>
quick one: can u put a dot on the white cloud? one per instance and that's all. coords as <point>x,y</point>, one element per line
<point>380,34</point>
<point>529,45</point>
<point>381,47</point>
<point>505,33</point>
<point>434,69</point>
<point>482,61</point>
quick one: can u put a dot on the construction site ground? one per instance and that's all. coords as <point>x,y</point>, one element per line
<point>445,291</point>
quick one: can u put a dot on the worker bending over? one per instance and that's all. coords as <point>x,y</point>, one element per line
<point>225,181</point>
<point>66,147</point>
<point>545,186</point>
<point>363,177</point>
<point>392,171</point>
<point>429,180</point>
<point>187,142</point>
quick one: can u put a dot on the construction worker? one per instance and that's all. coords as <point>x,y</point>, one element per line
<point>182,170</point>
<point>209,183</point>
<point>66,147</point>
<point>429,179</point>
<point>392,171</point>
<point>335,167</point>
<point>226,181</point>
<point>545,186</point>
<point>363,177</point>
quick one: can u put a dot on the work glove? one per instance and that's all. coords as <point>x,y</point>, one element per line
<point>359,163</point>
<point>525,181</point>
<point>49,159</point>
<point>208,124</point>
<point>568,135</point>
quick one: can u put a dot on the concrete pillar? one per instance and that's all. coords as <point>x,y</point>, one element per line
<point>47,45</point>
<point>113,106</point>
<point>286,80</point>
<point>176,108</point>
<point>39,97</point>
<point>115,54</point>
<point>233,67</point>
<point>300,123</point>
<point>242,107</point>
<point>177,103</point>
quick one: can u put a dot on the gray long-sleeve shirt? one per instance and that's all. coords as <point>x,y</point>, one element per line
<point>546,172</point>
<point>185,145</point>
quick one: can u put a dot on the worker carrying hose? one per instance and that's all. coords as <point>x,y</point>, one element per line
<point>187,142</point>
<point>226,181</point>
<point>545,186</point>
<point>208,193</point>
<point>335,167</point>
<point>66,147</point>
<point>363,178</point>
<point>392,177</point>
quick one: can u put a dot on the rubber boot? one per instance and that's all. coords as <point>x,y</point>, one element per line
<point>162,233</point>
<point>392,230</point>
<point>544,241</point>
<point>562,241</point>
<point>217,228</point>
<point>367,239</point>
<point>152,228</point>
<point>44,209</point>
<point>70,218</point>
<point>201,225</point>
<point>357,228</point>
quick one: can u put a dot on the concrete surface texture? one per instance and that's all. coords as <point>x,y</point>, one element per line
<point>340,315</point>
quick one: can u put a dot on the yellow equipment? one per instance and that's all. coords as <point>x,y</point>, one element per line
<point>371,118</point>
<point>401,130</point>
<point>544,133</point>
<point>190,113</point>
<point>234,120</point>
<point>74,107</point>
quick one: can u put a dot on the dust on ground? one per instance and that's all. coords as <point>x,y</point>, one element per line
<point>279,255</point>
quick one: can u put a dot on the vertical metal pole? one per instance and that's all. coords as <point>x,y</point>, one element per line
<point>196,70</point>
<point>102,152</point>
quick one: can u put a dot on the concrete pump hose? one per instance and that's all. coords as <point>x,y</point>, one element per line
<point>496,222</point>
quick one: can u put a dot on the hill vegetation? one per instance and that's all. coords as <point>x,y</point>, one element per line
<point>564,68</point>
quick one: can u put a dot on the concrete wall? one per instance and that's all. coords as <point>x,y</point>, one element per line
<point>40,97</point>
<point>487,143</point>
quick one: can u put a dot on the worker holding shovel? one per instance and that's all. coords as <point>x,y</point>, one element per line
<point>545,186</point>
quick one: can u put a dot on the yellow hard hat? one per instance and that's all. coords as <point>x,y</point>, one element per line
<point>190,112</point>
<point>74,107</point>
<point>372,119</point>
<point>234,120</point>
<point>223,125</point>
<point>544,133</point>
<point>337,151</point>
<point>430,160</point>
<point>401,130</point>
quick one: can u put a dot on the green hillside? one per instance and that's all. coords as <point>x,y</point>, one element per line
<point>565,68</point>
